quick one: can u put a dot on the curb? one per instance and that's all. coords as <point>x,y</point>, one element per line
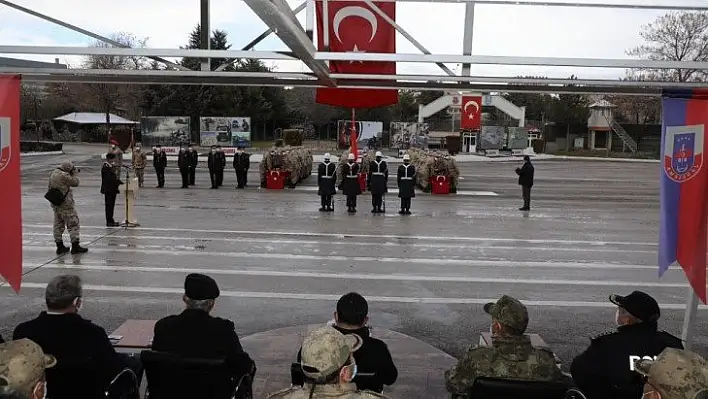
<point>38,153</point>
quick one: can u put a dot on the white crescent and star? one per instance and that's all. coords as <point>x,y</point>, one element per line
<point>355,11</point>
<point>476,108</point>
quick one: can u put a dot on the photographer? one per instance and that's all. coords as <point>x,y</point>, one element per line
<point>60,195</point>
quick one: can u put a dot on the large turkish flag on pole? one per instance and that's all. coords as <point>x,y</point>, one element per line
<point>471,112</point>
<point>10,193</point>
<point>354,27</point>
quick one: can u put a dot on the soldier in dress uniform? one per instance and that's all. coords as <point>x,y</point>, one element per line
<point>220,166</point>
<point>406,184</point>
<point>183,161</point>
<point>511,355</point>
<point>139,161</point>
<point>326,181</point>
<point>212,163</point>
<point>193,158</point>
<point>110,184</point>
<point>242,161</point>
<point>159,161</point>
<point>377,182</point>
<point>350,183</point>
<point>329,367</point>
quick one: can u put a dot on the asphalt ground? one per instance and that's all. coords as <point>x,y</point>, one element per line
<point>592,231</point>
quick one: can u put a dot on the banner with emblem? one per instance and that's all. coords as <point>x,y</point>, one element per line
<point>683,230</point>
<point>10,192</point>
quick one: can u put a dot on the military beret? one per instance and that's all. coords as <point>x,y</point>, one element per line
<point>200,287</point>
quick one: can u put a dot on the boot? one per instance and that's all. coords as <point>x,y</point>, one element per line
<point>61,248</point>
<point>78,249</point>
<point>408,211</point>
<point>402,212</point>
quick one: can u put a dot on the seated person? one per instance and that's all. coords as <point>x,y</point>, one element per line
<point>373,357</point>
<point>675,374</point>
<point>22,365</point>
<point>63,333</point>
<point>329,367</point>
<point>511,355</point>
<point>195,333</point>
<point>2,341</point>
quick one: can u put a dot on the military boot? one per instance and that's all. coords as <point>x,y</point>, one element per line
<point>77,249</point>
<point>61,248</point>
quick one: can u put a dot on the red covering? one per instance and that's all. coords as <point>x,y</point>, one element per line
<point>11,198</point>
<point>440,184</point>
<point>276,179</point>
<point>362,181</point>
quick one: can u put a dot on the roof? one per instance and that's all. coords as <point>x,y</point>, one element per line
<point>602,104</point>
<point>20,63</point>
<point>93,118</point>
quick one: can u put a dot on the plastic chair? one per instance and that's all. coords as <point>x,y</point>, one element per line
<point>124,386</point>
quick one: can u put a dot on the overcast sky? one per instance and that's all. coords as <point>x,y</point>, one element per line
<point>498,30</point>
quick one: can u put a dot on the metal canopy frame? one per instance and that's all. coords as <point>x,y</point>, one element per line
<point>282,21</point>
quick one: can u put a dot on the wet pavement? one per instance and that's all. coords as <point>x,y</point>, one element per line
<point>280,263</point>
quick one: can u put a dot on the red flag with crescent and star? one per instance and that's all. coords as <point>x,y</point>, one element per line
<point>355,27</point>
<point>471,112</point>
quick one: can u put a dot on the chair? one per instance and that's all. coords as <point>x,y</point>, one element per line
<point>496,388</point>
<point>62,379</point>
<point>172,376</point>
<point>574,393</point>
<point>124,386</point>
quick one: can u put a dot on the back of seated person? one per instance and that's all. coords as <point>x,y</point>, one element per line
<point>22,370</point>
<point>374,363</point>
<point>511,355</point>
<point>195,333</point>
<point>75,342</point>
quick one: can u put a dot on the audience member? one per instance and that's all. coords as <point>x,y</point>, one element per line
<point>373,359</point>
<point>22,365</point>
<point>675,374</point>
<point>73,340</point>
<point>511,355</point>
<point>195,333</point>
<point>606,368</point>
<point>328,364</point>
<point>2,341</point>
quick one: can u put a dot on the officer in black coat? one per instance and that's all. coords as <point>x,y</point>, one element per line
<point>242,161</point>
<point>350,182</point>
<point>110,184</point>
<point>193,157</point>
<point>159,162</point>
<point>195,333</point>
<point>606,369</point>
<point>326,183</point>
<point>526,182</point>
<point>216,161</point>
<point>378,182</point>
<point>183,162</point>
<point>406,184</point>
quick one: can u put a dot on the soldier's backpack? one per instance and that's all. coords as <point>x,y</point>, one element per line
<point>55,196</point>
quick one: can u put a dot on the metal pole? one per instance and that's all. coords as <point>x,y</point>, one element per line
<point>325,24</point>
<point>205,42</point>
<point>467,38</point>
<point>309,18</point>
<point>689,319</point>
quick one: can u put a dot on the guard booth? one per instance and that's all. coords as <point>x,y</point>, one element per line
<point>469,142</point>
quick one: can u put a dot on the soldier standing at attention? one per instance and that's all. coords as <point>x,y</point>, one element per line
<point>63,179</point>
<point>193,161</point>
<point>183,161</point>
<point>109,188</point>
<point>119,157</point>
<point>159,161</point>
<point>212,161</point>
<point>220,166</point>
<point>326,181</point>
<point>406,184</point>
<point>511,355</point>
<point>350,185</point>
<point>139,162</point>
<point>378,180</point>
<point>242,162</point>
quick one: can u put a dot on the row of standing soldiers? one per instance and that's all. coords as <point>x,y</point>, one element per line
<point>377,183</point>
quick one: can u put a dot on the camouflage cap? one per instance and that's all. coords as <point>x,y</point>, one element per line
<point>676,373</point>
<point>66,166</point>
<point>509,312</point>
<point>326,350</point>
<point>22,364</point>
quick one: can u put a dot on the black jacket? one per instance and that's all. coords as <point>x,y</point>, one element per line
<point>406,179</point>
<point>326,179</point>
<point>195,333</point>
<point>378,177</point>
<point>216,161</point>
<point>525,175</point>
<point>2,341</point>
<point>159,160</point>
<point>350,179</point>
<point>242,161</point>
<point>193,158</point>
<point>72,340</point>
<point>109,181</point>
<point>605,369</point>
<point>183,160</point>
<point>372,358</point>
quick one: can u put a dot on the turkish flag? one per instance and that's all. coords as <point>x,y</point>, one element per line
<point>471,112</point>
<point>354,27</point>
<point>11,198</point>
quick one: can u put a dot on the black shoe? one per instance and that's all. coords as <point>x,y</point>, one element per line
<point>330,209</point>
<point>61,248</point>
<point>374,210</point>
<point>78,249</point>
<point>401,212</point>
<point>112,224</point>
<point>408,212</point>
<point>523,208</point>
<point>323,209</point>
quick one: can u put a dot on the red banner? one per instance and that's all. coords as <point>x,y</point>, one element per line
<point>471,112</point>
<point>354,27</point>
<point>11,195</point>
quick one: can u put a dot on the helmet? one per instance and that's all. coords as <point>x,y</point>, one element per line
<point>379,154</point>
<point>326,156</point>
<point>406,157</point>
<point>350,156</point>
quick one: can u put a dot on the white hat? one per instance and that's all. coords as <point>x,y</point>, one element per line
<point>406,157</point>
<point>326,155</point>
<point>379,154</point>
<point>350,156</point>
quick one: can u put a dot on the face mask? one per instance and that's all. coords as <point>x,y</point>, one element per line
<point>39,386</point>
<point>181,149</point>
<point>190,148</point>
<point>137,148</point>
<point>617,318</point>
<point>113,147</point>
<point>213,150</point>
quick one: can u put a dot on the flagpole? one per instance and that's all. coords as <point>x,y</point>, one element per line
<point>689,319</point>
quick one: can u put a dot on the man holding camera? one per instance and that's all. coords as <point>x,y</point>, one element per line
<point>62,179</point>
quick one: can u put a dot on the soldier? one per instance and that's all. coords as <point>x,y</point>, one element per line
<point>526,182</point>
<point>183,162</point>
<point>109,188</point>
<point>326,181</point>
<point>220,166</point>
<point>350,182</point>
<point>139,162</point>
<point>119,157</point>
<point>406,184</point>
<point>329,367</point>
<point>212,162</point>
<point>63,179</point>
<point>241,164</point>
<point>193,161</point>
<point>22,369</point>
<point>159,161</point>
<point>511,355</point>
<point>378,182</point>
<point>675,374</point>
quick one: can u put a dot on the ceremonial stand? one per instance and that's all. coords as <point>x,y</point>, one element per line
<point>131,193</point>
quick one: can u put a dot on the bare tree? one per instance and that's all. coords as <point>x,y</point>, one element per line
<point>639,110</point>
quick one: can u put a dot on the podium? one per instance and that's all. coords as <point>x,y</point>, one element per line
<point>131,194</point>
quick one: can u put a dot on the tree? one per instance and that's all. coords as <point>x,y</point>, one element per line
<point>639,110</point>
<point>676,36</point>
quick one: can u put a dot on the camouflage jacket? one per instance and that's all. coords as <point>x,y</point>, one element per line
<point>63,181</point>
<point>119,156</point>
<point>508,357</point>
<point>347,391</point>
<point>139,159</point>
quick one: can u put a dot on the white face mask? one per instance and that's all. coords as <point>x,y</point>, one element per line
<point>39,386</point>
<point>113,147</point>
<point>617,318</point>
<point>213,151</point>
<point>137,148</point>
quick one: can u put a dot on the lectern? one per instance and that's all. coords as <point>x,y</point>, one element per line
<point>131,195</point>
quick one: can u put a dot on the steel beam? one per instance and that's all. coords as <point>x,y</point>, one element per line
<point>84,32</point>
<point>467,37</point>
<point>292,35</point>
<point>205,30</point>
<point>309,18</point>
<point>145,52</point>
<point>153,73</point>
<point>560,4</point>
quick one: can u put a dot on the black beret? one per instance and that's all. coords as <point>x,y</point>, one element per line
<point>200,287</point>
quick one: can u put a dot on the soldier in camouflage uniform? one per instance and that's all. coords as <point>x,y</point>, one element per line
<point>139,162</point>
<point>511,355</point>
<point>22,367</point>
<point>63,178</point>
<point>329,368</point>
<point>675,374</point>
<point>119,158</point>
